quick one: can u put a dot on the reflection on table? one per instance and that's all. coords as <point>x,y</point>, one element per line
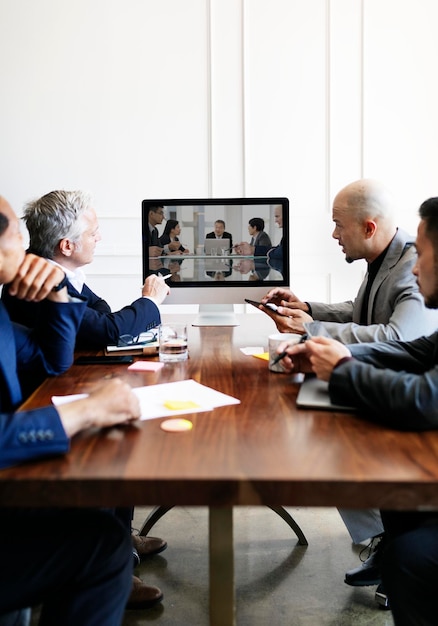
<point>209,268</point>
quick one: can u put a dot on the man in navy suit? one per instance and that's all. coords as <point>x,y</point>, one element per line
<point>63,228</point>
<point>78,564</point>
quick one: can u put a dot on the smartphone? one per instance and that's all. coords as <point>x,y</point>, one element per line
<point>104,360</point>
<point>269,305</point>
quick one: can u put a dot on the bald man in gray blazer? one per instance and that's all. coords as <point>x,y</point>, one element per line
<point>387,306</point>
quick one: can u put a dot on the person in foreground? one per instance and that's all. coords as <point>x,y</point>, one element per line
<point>388,305</point>
<point>394,383</point>
<point>63,228</point>
<point>78,564</point>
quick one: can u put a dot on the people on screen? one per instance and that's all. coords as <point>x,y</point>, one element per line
<point>170,236</point>
<point>257,233</point>
<point>155,218</point>
<point>388,305</point>
<point>274,254</point>
<point>394,383</point>
<point>78,564</point>
<point>219,232</point>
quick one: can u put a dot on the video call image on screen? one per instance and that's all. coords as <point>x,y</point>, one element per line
<point>196,241</point>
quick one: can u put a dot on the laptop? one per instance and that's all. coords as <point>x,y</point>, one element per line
<point>218,245</point>
<point>314,394</point>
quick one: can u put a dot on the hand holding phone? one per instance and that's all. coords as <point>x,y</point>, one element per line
<point>268,305</point>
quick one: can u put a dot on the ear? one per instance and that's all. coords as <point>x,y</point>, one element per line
<point>370,228</point>
<point>66,247</point>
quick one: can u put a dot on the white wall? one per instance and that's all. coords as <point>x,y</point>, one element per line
<point>133,99</point>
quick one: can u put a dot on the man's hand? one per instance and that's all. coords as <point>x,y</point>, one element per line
<point>285,298</point>
<point>319,355</point>
<point>288,320</point>
<point>110,404</point>
<point>244,248</point>
<point>174,246</point>
<point>155,251</point>
<point>324,354</point>
<point>35,280</point>
<point>155,287</point>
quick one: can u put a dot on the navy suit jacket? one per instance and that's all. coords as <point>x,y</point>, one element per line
<point>99,326</point>
<point>31,355</point>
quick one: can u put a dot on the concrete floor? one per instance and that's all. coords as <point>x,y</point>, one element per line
<point>278,583</point>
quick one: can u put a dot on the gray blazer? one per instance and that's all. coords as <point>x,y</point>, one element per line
<point>395,309</point>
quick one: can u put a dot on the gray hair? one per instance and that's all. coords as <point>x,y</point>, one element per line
<point>55,216</point>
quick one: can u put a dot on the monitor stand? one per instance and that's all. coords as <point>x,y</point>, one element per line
<point>216,315</point>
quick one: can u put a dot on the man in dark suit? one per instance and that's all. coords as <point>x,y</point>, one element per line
<point>63,228</point>
<point>219,232</point>
<point>394,383</point>
<point>78,564</point>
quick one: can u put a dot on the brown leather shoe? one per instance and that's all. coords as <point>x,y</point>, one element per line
<point>143,596</point>
<point>146,546</point>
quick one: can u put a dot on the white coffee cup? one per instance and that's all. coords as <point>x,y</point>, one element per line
<point>274,341</point>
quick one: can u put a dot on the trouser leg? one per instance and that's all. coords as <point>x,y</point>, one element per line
<point>76,563</point>
<point>410,567</point>
<point>362,524</point>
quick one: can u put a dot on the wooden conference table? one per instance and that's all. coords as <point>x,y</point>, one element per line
<point>263,451</point>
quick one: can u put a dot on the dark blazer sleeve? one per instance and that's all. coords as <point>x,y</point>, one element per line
<point>165,239</point>
<point>27,435</point>
<point>393,383</point>
<point>101,327</point>
<point>51,341</point>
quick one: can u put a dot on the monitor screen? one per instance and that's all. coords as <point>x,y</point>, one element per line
<point>217,251</point>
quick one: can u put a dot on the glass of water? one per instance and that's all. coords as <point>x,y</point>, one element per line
<point>173,342</point>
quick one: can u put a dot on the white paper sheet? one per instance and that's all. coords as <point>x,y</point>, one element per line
<point>153,397</point>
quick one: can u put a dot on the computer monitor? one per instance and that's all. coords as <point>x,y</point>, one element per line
<point>220,277</point>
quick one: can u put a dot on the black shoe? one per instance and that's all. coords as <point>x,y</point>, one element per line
<point>382,598</point>
<point>369,572</point>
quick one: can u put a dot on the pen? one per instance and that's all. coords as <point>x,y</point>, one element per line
<point>283,354</point>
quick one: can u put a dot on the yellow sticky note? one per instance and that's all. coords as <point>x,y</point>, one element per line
<point>180,405</point>
<point>263,355</point>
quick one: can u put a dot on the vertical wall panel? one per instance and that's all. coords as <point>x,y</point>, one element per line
<point>139,98</point>
<point>227,132</point>
<point>401,98</point>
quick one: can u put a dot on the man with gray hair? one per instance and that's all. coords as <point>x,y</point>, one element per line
<point>63,227</point>
<point>387,306</point>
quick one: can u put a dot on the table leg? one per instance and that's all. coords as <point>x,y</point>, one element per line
<point>222,608</point>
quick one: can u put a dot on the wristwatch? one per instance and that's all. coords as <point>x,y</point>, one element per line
<point>61,285</point>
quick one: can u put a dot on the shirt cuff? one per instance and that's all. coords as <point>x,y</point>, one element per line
<point>343,360</point>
